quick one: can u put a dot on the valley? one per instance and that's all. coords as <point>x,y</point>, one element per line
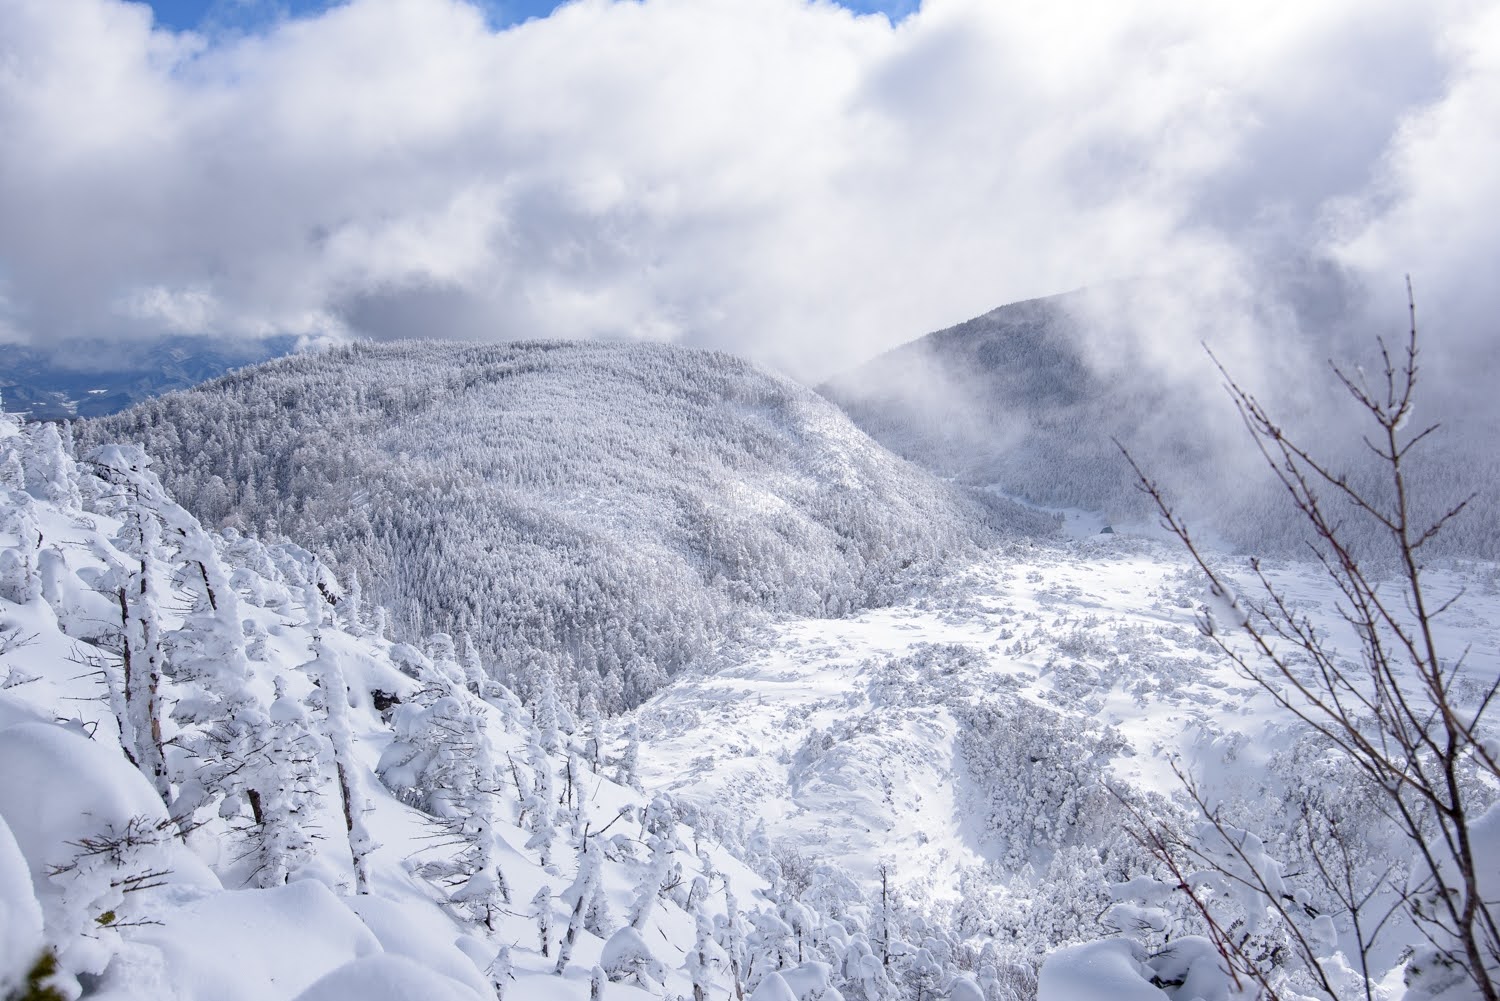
<point>848,736</point>
<point>672,649</point>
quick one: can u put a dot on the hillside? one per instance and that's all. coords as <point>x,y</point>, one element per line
<point>600,514</point>
<point>220,785</point>
<point>225,781</point>
<point>1030,398</point>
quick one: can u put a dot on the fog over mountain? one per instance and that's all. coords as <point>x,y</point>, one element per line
<point>1034,399</point>
<point>103,377</point>
<point>528,629</point>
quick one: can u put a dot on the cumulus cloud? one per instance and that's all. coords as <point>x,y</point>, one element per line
<point>781,178</point>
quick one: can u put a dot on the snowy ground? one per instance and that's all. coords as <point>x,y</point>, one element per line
<point>959,743</point>
<point>842,735</point>
<point>176,908</point>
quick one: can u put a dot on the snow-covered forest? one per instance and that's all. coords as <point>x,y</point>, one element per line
<point>983,788</point>
<point>749,500</point>
<point>598,514</point>
<point>223,779</point>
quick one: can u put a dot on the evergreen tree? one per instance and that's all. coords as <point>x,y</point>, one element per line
<point>142,656</point>
<point>283,842</point>
<point>580,897</point>
<point>324,668</point>
<point>539,805</point>
<point>541,910</point>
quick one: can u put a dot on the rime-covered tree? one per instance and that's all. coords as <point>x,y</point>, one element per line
<point>729,933</point>
<point>541,910</point>
<point>703,958</point>
<point>653,880</point>
<point>324,668</point>
<point>225,728</point>
<point>629,763</point>
<point>579,897</point>
<point>283,840</point>
<point>540,804</point>
<point>137,580</point>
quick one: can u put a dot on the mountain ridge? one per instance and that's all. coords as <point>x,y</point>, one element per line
<point>599,513</point>
<point>1037,399</point>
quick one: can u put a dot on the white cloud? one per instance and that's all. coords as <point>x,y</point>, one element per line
<point>776,177</point>
<point>179,311</point>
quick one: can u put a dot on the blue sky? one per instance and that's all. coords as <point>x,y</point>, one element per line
<point>181,15</point>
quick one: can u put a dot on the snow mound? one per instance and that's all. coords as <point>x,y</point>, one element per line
<point>20,915</point>
<point>387,978</point>
<point>1113,970</point>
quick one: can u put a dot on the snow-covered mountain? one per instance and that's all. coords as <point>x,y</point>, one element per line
<point>221,780</point>
<point>1031,398</point>
<point>600,514</point>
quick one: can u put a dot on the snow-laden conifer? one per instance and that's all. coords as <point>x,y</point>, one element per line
<point>282,842</point>
<point>135,584</point>
<point>540,808</point>
<point>324,668</point>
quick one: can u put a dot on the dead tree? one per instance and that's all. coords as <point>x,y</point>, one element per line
<point>1397,713</point>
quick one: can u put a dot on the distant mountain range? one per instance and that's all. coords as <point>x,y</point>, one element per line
<point>94,379</point>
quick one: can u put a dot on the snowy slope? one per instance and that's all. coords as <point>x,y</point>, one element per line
<point>963,739</point>
<point>904,803</point>
<point>599,513</point>
<point>136,900</point>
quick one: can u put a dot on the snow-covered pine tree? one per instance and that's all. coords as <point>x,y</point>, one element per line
<point>19,577</point>
<point>770,946</point>
<point>443,654</point>
<point>577,896</point>
<point>539,805</point>
<point>501,972</point>
<point>142,656</point>
<point>350,611</point>
<point>729,933</point>
<point>541,909</point>
<point>629,764</point>
<point>482,889</point>
<point>478,681</point>
<point>593,748</point>
<point>862,972</point>
<point>283,843</point>
<point>803,923</point>
<point>225,728</point>
<point>627,956</point>
<point>325,670</point>
<point>702,959</point>
<point>653,880</point>
<point>48,467</point>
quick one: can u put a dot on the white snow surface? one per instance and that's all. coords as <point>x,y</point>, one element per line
<point>843,735</point>
<point>955,745</point>
<point>1112,970</point>
<point>139,902</point>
